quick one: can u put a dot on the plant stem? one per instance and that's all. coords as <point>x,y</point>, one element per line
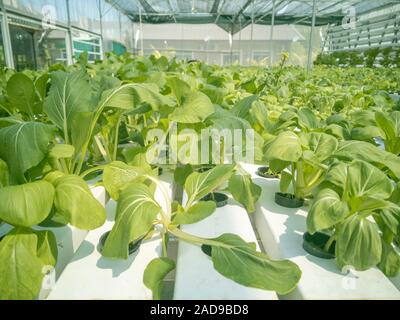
<point>116,138</point>
<point>91,170</point>
<point>166,198</point>
<point>329,243</point>
<point>164,243</point>
<point>193,239</point>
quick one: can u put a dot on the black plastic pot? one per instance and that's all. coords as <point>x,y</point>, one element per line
<point>133,247</point>
<point>219,198</point>
<point>160,170</point>
<point>263,173</point>
<point>288,200</point>
<point>315,245</point>
<point>205,169</point>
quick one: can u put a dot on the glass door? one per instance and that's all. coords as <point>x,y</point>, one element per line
<point>23,45</point>
<point>34,47</point>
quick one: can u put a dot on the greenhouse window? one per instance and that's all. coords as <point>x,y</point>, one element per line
<point>261,55</point>
<point>35,47</point>
<point>231,58</point>
<point>86,42</point>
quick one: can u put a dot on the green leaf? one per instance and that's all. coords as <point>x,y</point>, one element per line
<point>386,124</point>
<point>136,213</point>
<point>391,218</point>
<point>80,137</point>
<point>286,147</point>
<point>21,273</point>
<point>308,119</point>
<point>242,108</point>
<point>69,94</point>
<point>117,175</point>
<point>365,180</point>
<point>390,262</point>
<point>179,88</point>
<point>17,149</point>
<point>62,151</point>
<point>365,133</point>
<point>245,191</point>
<point>351,150</point>
<point>337,174</point>
<point>76,205</point>
<point>3,174</point>
<point>195,213</point>
<point>237,260</point>
<point>225,120</point>
<point>285,182</point>
<point>133,95</point>
<point>198,185</point>
<point>155,273</point>
<point>326,211</point>
<point>322,145</point>
<point>21,93</point>
<point>47,250</point>
<point>358,244</point>
<point>41,85</point>
<point>26,205</point>
<point>196,107</point>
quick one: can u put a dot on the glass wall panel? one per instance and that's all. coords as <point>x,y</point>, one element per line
<point>35,47</point>
<point>41,8</point>
<point>85,15</point>
<point>127,32</point>
<point>2,52</point>
<point>86,42</point>
<point>111,27</point>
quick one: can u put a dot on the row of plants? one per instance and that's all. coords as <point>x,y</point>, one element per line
<point>383,57</point>
<point>343,164</point>
<point>62,127</point>
<point>65,126</point>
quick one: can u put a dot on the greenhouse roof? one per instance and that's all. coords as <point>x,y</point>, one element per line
<point>232,16</point>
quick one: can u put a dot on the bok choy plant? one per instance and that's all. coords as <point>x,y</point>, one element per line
<point>301,159</point>
<point>140,214</point>
<point>358,206</point>
<point>42,173</point>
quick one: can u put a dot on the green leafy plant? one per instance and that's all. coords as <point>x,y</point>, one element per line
<point>138,214</point>
<point>350,197</point>
<point>302,160</point>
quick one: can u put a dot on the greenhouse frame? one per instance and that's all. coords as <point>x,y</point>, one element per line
<point>201,150</point>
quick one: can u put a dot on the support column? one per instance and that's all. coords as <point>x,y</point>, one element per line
<point>103,48</point>
<point>70,44</point>
<point>310,44</point>
<point>252,34</point>
<point>6,38</point>
<point>141,33</point>
<point>271,36</point>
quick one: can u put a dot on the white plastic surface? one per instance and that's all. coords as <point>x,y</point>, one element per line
<point>89,276</point>
<point>196,277</point>
<point>281,231</point>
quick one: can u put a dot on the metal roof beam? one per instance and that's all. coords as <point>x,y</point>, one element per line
<point>215,6</point>
<point>172,10</point>
<point>147,7</point>
<point>277,8</point>
<point>219,11</point>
